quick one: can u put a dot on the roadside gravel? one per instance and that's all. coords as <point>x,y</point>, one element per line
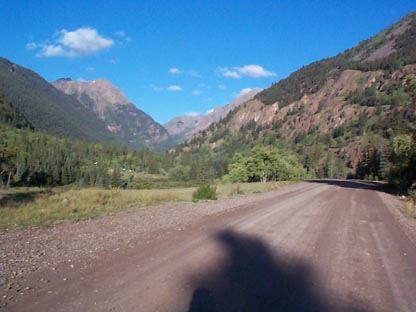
<point>33,251</point>
<point>407,224</point>
<point>32,260</point>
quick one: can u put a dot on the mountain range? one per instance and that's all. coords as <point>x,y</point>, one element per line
<point>328,112</point>
<point>96,110</point>
<point>331,111</point>
<point>185,127</point>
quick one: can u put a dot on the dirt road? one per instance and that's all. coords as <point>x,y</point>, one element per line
<point>313,246</point>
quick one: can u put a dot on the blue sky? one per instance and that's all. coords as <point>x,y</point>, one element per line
<point>178,57</point>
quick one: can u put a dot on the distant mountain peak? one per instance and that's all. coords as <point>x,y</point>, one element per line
<point>101,93</point>
<point>184,127</point>
<point>118,113</point>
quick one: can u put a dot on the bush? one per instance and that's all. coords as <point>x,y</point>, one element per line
<point>204,192</point>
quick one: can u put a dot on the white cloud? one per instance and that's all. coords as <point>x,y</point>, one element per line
<point>196,92</point>
<point>209,111</point>
<point>175,71</point>
<point>253,71</point>
<point>84,41</point>
<point>230,73</point>
<point>80,42</point>
<point>90,69</point>
<point>51,51</point>
<point>192,114</point>
<point>174,88</point>
<point>222,87</point>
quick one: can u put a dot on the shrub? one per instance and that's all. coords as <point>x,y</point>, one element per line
<point>204,192</point>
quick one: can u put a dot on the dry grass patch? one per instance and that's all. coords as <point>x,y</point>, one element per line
<point>25,208</point>
<point>232,189</point>
<point>409,209</point>
<point>32,207</point>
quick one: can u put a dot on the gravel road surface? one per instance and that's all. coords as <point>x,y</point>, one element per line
<point>315,246</point>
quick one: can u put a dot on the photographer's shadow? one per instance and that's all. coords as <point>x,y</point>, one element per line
<point>254,279</point>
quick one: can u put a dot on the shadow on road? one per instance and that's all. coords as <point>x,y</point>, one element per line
<point>357,184</point>
<point>252,279</point>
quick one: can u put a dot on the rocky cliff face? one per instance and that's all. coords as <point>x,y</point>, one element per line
<point>185,127</point>
<point>136,128</point>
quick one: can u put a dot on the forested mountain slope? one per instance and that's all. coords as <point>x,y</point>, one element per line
<point>334,113</point>
<point>11,116</point>
<point>47,108</point>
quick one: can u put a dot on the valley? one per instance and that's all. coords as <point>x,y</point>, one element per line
<point>297,195</point>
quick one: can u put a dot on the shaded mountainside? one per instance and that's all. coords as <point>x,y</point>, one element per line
<point>134,127</point>
<point>48,109</point>
<point>185,127</point>
<point>330,111</point>
<point>11,116</point>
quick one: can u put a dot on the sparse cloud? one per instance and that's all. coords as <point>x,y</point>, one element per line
<point>175,71</point>
<point>209,111</point>
<point>174,88</point>
<point>252,71</point>
<point>156,88</point>
<point>191,73</point>
<point>90,69</point>
<point>222,87</point>
<point>32,46</point>
<point>196,92</point>
<point>77,43</point>
<point>122,35</point>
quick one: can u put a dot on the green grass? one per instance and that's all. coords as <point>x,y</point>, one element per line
<point>203,192</point>
<point>34,207</point>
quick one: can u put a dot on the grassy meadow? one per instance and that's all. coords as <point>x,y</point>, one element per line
<point>32,207</point>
